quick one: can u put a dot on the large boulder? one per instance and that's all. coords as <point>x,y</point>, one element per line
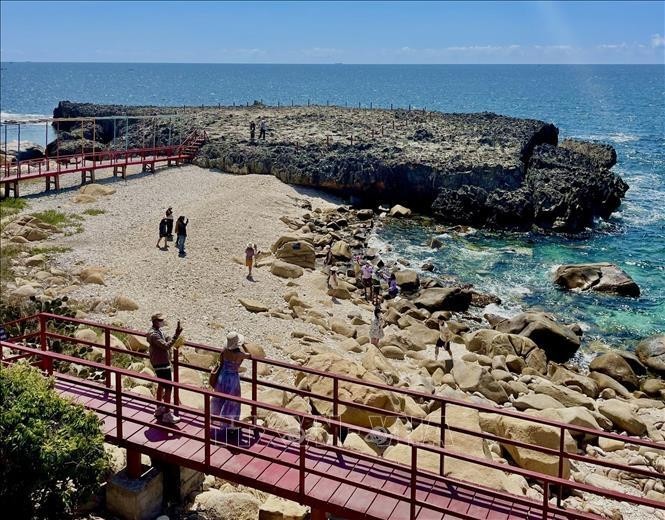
<point>601,277</point>
<point>471,377</point>
<point>227,506</point>
<point>279,509</point>
<point>408,280</point>
<point>252,305</point>
<point>651,352</point>
<point>557,340</point>
<point>399,211</point>
<point>295,250</point>
<point>586,385</point>
<point>331,362</point>
<point>341,249</point>
<point>475,446</point>
<point>538,435</point>
<point>286,270</point>
<point>622,416</point>
<point>493,343</point>
<point>444,299</point>
<point>615,366</point>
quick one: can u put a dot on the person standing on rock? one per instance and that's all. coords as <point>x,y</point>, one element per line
<point>329,256</point>
<point>181,233</point>
<point>366,274</point>
<point>250,254</point>
<point>393,289</point>
<point>252,131</point>
<point>227,381</point>
<point>333,282</point>
<point>376,328</point>
<point>169,224</point>
<point>160,347</point>
<point>163,233</point>
<point>443,340</point>
<point>262,129</point>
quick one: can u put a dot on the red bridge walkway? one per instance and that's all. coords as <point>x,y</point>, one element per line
<point>88,161</point>
<point>327,477</point>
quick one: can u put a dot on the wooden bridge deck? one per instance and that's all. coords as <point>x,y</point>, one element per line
<point>280,479</point>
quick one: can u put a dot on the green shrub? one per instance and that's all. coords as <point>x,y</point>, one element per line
<point>94,211</point>
<point>11,206</point>
<point>51,449</point>
<point>53,217</point>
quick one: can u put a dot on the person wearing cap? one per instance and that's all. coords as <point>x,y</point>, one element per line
<point>329,256</point>
<point>367,271</point>
<point>160,347</point>
<point>250,253</point>
<point>333,282</point>
<point>227,381</point>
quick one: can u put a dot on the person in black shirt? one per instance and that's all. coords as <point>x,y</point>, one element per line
<point>169,227</point>
<point>181,233</point>
<point>163,232</point>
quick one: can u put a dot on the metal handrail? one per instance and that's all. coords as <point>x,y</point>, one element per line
<point>336,425</point>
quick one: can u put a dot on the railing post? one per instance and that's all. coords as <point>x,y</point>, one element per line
<point>47,363</point>
<point>414,465</point>
<point>302,458</point>
<point>335,409</point>
<point>560,472</point>
<point>442,437</point>
<point>118,404</point>
<point>176,379</point>
<point>107,355</point>
<point>206,425</point>
<point>546,498</point>
<point>254,390</point>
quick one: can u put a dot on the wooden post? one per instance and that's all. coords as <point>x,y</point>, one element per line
<point>47,364</point>
<point>442,437</point>
<point>134,468</point>
<point>107,355</point>
<point>118,405</point>
<point>414,465</point>
<point>335,409</point>
<point>254,390</point>
<point>206,426</point>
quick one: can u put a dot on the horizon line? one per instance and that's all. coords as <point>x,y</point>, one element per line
<point>319,64</point>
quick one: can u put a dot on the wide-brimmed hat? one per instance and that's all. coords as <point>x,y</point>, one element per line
<point>157,317</point>
<point>234,340</point>
<point>334,269</point>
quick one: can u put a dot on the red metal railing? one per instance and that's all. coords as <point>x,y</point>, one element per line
<point>71,163</point>
<point>113,379</point>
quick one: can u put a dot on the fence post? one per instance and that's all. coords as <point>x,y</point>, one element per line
<point>335,409</point>
<point>546,498</point>
<point>254,390</point>
<point>118,404</point>
<point>47,363</point>
<point>107,355</point>
<point>560,472</point>
<point>442,437</point>
<point>302,459</point>
<point>414,464</point>
<point>176,379</point>
<point>206,425</point>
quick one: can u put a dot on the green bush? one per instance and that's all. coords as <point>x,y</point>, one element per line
<point>51,450</point>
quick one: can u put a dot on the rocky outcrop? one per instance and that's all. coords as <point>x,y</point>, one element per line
<point>480,169</point>
<point>601,277</point>
<point>651,352</point>
<point>557,340</point>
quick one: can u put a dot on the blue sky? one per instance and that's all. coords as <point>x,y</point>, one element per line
<point>330,32</point>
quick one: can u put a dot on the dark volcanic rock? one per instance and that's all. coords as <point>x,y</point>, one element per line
<point>478,169</point>
<point>602,277</point>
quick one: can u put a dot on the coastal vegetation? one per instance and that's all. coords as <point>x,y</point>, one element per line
<point>52,450</point>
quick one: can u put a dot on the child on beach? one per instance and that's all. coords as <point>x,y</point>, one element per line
<point>250,254</point>
<point>376,328</point>
<point>181,233</point>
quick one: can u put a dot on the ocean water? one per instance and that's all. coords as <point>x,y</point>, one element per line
<point>620,105</point>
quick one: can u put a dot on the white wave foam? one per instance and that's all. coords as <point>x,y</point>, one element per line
<point>10,116</point>
<point>616,137</point>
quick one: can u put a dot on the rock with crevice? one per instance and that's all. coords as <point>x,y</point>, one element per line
<point>600,277</point>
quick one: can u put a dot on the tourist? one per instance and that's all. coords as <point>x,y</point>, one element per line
<point>443,340</point>
<point>366,273</point>
<point>262,129</point>
<point>329,256</point>
<point>169,224</point>
<point>393,290</point>
<point>252,131</point>
<point>181,233</point>
<point>376,328</point>
<point>163,232</point>
<point>250,254</point>
<point>160,347</point>
<point>333,282</point>
<point>357,268</point>
<point>227,381</point>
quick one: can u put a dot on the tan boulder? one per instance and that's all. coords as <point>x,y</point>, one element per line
<point>355,442</point>
<point>137,343</point>
<point>408,280</point>
<point>282,422</point>
<point>123,303</point>
<point>279,509</point>
<point>537,435</point>
<point>341,249</point>
<point>82,198</point>
<point>227,506</point>
<point>615,366</point>
<point>536,402</point>
<point>444,299</point>
<point>399,211</point>
<point>474,378</point>
<point>97,190</point>
<point>604,381</point>
<point>374,361</point>
<point>622,416</point>
<point>563,394</point>
<point>392,352</point>
<point>331,362</point>
<point>651,352</point>
<point>600,277</point>
<point>252,305</point>
<point>35,260</point>
<point>25,291</point>
<point>566,377</point>
<point>286,270</point>
<point>342,328</point>
<point>494,343</point>
<point>299,252</point>
<point>88,335</point>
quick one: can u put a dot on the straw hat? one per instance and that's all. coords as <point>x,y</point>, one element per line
<point>234,340</point>
<point>157,317</point>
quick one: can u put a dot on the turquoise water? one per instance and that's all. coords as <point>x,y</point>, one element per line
<point>620,105</point>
